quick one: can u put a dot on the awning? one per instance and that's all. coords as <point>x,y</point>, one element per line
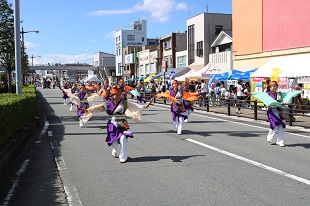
<point>290,66</point>
<point>205,72</point>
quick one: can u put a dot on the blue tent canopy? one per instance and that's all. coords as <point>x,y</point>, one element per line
<point>239,75</point>
<point>232,75</point>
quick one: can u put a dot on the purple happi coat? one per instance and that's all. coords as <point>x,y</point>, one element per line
<point>188,108</point>
<point>65,96</point>
<point>84,104</point>
<point>116,127</point>
<point>273,114</point>
<point>140,99</point>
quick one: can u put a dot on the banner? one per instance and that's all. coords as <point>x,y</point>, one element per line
<point>275,74</point>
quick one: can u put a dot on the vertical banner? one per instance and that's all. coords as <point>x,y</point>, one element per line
<point>275,74</point>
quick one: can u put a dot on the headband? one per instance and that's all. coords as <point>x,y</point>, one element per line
<point>273,83</point>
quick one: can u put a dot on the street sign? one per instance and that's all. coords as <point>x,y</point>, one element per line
<point>164,65</point>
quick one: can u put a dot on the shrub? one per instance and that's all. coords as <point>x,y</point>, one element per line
<point>16,111</point>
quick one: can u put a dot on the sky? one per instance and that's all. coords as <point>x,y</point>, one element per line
<point>72,31</point>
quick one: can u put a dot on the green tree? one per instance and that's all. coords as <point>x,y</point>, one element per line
<point>24,63</point>
<point>7,44</point>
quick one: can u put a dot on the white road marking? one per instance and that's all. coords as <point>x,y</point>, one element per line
<point>45,127</point>
<point>280,172</point>
<point>10,194</point>
<point>72,196</point>
<point>61,165</point>
<point>245,124</point>
<point>54,145</point>
<point>50,133</point>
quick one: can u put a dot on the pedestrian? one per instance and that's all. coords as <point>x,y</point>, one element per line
<point>191,86</point>
<point>276,117</point>
<point>240,90</point>
<point>217,92</point>
<point>203,94</point>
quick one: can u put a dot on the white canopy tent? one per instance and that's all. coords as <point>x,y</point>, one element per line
<point>91,78</point>
<point>206,71</point>
<point>290,66</point>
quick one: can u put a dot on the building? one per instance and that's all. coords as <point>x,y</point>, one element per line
<point>148,61</point>
<point>221,51</point>
<point>266,29</point>
<point>105,63</point>
<point>170,45</point>
<point>202,30</point>
<point>134,37</point>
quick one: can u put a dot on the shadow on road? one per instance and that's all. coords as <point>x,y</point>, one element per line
<point>157,158</point>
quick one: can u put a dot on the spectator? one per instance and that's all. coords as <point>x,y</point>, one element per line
<point>204,90</point>
<point>191,86</point>
<point>217,92</point>
<point>240,90</point>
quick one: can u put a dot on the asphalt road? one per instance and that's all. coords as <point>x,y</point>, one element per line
<point>217,160</point>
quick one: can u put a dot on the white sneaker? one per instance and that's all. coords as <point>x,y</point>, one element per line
<point>186,120</point>
<point>81,123</point>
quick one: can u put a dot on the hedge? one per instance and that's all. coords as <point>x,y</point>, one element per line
<point>16,111</point>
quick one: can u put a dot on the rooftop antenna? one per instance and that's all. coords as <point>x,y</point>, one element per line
<point>207,8</point>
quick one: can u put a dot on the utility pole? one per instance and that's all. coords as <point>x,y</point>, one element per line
<point>17,47</point>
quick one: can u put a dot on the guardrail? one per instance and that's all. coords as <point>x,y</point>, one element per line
<point>226,105</point>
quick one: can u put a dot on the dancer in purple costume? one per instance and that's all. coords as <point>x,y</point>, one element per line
<point>65,96</point>
<point>276,117</point>
<point>84,104</point>
<point>140,88</point>
<point>73,90</point>
<point>180,109</point>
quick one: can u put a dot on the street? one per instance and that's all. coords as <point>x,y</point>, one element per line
<point>217,160</point>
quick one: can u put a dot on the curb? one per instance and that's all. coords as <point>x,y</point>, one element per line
<point>9,154</point>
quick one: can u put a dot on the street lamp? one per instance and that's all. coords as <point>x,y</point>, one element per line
<point>25,32</point>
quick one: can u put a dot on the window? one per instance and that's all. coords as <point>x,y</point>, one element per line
<point>191,44</point>
<point>218,29</point>
<point>130,37</point>
<point>143,39</point>
<point>167,44</point>
<point>181,61</point>
<point>199,50</point>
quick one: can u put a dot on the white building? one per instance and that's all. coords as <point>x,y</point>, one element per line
<point>148,63</point>
<point>221,51</point>
<point>181,59</point>
<point>202,30</point>
<point>106,63</point>
<point>135,36</point>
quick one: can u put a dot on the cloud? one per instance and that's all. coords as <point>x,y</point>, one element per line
<point>63,59</point>
<point>110,34</point>
<point>159,9</point>
<point>111,12</point>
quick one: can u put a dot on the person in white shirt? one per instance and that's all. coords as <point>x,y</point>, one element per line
<point>204,90</point>
<point>240,89</point>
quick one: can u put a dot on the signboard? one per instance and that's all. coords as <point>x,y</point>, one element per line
<point>275,74</point>
<point>259,79</point>
<point>164,65</point>
<point>129,59</point>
